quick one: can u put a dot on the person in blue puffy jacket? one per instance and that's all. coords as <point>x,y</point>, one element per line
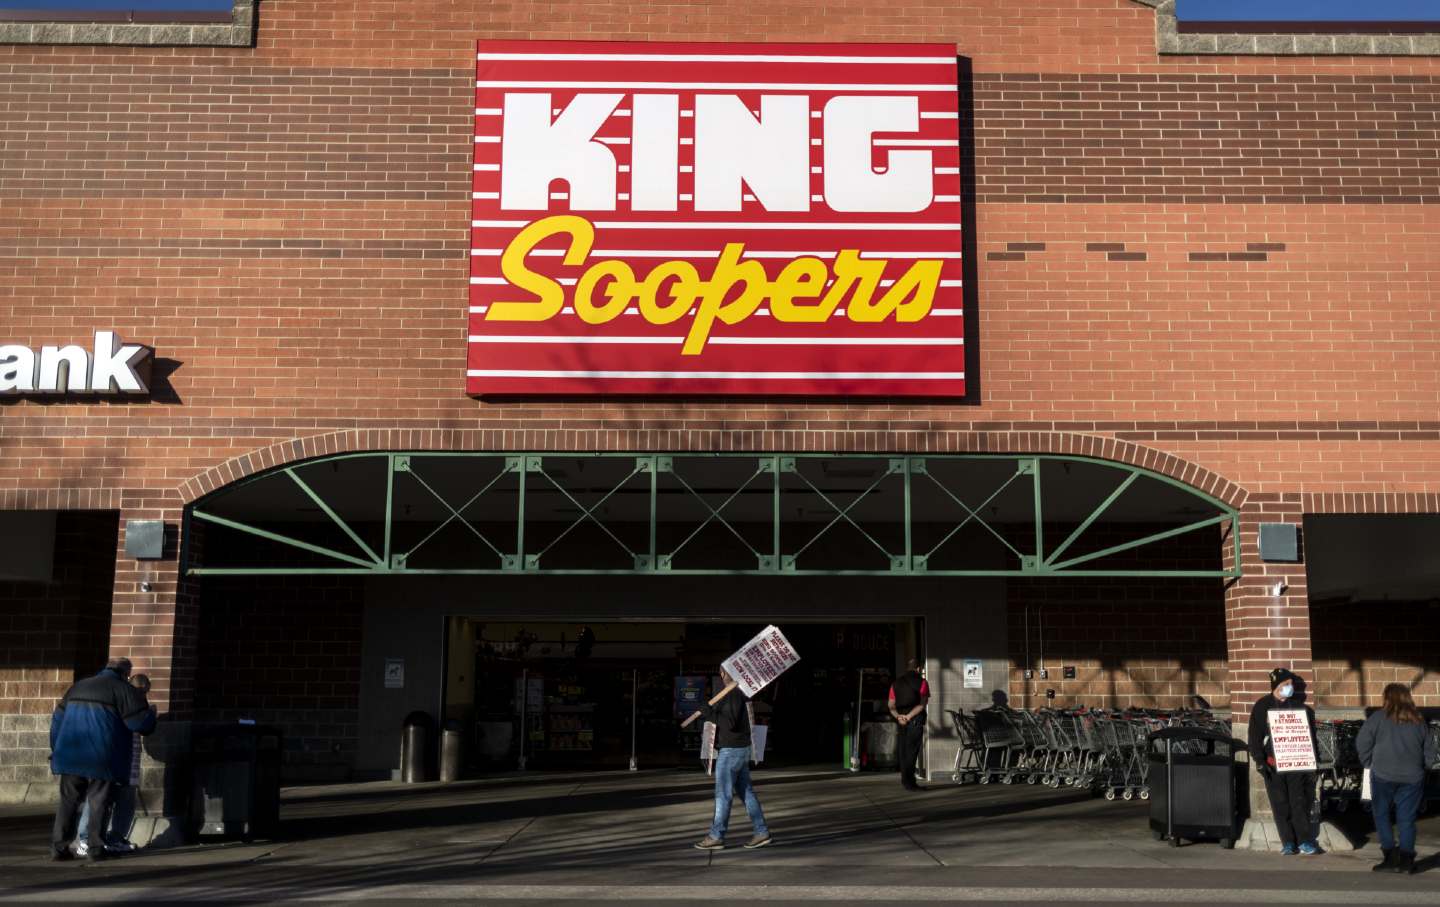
<point>91,742</point>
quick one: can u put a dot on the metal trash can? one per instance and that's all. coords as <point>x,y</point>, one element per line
<point>236,788</point>
<point>415,736</point>
<point>1192,778</point>
<point>452,751</point>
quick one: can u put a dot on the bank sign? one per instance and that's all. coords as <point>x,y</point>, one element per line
<point>767,219</point>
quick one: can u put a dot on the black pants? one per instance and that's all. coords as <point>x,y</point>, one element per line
<point>1291,796</point>
<point>909,741</point>
<point>75,790</point>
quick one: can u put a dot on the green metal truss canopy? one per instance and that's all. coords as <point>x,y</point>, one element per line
<point>665,514</point>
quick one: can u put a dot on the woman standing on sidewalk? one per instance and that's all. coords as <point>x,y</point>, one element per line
<point>1396,746</point>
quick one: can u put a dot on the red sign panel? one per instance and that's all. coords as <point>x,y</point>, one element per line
<point>716,219</point>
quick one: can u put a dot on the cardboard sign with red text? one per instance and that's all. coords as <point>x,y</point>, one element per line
<point>760,661</point>
<point>716,219</point>
<point>1290,739</point>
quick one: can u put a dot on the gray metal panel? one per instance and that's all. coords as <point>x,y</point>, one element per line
<point>1279,542</point>
<point>144,539</point>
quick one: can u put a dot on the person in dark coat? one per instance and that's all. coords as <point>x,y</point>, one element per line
<point>909,695</point>
<point>1291,793</point>
<point>91,742</point>
<point>1396,746</point>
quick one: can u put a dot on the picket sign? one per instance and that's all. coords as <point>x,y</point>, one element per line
<point>1290,739</point>
<point>755,665</point>
<point>759,734</point>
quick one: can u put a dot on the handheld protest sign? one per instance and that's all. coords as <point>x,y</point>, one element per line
<point>760,661</point>
<point>755,665</point>
<point>1290,739</point>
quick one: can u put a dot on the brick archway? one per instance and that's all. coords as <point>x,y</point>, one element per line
<point>1036,442</point>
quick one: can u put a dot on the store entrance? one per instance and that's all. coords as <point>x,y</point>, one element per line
<point>595,695</point>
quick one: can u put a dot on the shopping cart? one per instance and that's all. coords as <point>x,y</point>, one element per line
<point>970,754</point>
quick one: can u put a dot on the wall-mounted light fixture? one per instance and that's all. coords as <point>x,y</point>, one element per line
<point>1279,587</point>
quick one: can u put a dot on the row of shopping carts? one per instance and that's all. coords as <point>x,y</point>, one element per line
<point>1098,749</point>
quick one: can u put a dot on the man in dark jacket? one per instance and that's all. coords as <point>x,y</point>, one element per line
<point>909,695</point>
<point>1291,793</point>
<point>91,739</point>
<point>731,716</point>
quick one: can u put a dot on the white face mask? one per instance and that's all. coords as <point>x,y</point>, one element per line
<point>1285,692</point>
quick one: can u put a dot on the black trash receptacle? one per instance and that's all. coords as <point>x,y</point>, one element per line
<point>236,789</point>
<point>1191,777</point>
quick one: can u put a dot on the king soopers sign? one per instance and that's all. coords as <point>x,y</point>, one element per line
<point>716,219</point>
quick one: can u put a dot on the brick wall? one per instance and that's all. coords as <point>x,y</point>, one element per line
<point>285,651</point>
<point>52,634</point>
<point>1360,647</point>
<point>1230,261</point>
<point>1133,642</point>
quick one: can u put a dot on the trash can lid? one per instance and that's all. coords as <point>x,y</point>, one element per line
<point>1195,733</point>
<point>419,718</point>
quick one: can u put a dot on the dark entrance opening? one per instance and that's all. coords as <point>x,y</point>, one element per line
<point>593,695</point>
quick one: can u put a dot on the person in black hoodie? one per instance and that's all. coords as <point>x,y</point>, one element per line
<point>1292,793</point>
<point>731,716</point>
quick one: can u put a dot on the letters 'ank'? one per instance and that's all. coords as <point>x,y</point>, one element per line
<point>766,219</point>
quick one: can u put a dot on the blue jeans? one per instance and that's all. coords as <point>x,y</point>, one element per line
<point>732,778</point>
<point>122,815</point>
<point>1405,799</point>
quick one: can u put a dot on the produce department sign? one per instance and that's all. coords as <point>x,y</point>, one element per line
<point>716,219</point>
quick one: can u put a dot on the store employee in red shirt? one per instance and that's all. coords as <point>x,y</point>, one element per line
<point>908,696</point>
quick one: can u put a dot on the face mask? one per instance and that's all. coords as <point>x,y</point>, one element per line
<point>1286,691</point>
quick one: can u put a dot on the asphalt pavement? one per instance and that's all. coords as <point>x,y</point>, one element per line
<point>627,837</point>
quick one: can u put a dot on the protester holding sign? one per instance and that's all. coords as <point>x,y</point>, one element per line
<point>731,717</point>
<point>1282,749</point>
<point>745,673</point>
<point>1396,746</point>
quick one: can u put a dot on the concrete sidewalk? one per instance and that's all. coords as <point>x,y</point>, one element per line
<point>628,836</point>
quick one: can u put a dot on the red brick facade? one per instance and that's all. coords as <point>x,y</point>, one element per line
<point>1220,268</point>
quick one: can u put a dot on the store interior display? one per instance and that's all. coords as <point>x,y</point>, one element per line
<point>598,695</point>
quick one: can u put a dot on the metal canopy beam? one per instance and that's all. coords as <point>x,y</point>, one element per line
<point>911,513</point>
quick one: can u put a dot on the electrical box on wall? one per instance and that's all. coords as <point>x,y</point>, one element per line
<point>1280,542</point>
<point>144,539</point>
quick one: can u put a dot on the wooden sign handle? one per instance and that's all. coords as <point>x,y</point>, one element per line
<point>714,699</point>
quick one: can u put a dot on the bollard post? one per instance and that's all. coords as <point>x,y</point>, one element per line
<point>452,752</point>
<point>415,747</point>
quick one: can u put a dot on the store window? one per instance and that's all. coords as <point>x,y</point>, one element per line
<point>223,23</point>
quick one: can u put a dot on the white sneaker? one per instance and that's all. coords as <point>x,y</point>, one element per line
<point>82,849</point>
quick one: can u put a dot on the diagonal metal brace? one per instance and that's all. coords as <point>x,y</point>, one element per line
<point>532,561</point>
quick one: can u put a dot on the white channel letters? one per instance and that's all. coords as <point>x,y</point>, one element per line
<point>115,367</point>
<point>734,149</point>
